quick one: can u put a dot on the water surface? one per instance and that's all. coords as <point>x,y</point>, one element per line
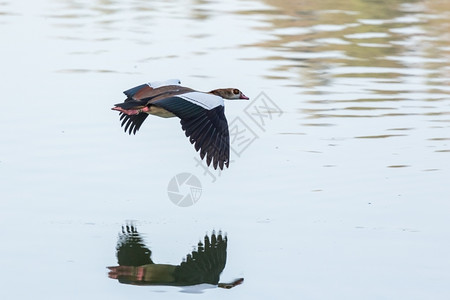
<point>340,192</point>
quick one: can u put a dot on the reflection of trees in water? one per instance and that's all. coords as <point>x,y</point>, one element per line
<point>314,36</point>
<point>437,28</point>
<point>306,37</point>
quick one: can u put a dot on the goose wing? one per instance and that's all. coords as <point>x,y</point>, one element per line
<point>203,120</point>
<point>141,91</point>
<point>140,96</point>
<point>205,264</point>
<point>131,250</point>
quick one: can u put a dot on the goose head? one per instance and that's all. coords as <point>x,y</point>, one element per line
<point>230,94</point>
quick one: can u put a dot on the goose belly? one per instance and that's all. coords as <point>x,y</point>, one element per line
<point>160,112</point>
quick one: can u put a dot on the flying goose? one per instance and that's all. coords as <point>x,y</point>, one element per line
<point>202,114</point>
<point>136,267</point>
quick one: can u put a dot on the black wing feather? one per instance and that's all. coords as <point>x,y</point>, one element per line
<point>131,250</point>
<point>133,123</point>
<point>207,129</point>
<point>131,92</point>
<point>205,264</point>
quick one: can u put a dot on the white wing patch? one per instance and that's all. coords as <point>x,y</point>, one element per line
<point>207,101</point>
<point>157,84</point>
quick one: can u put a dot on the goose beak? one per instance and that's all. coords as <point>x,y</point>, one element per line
<point>242,96</point>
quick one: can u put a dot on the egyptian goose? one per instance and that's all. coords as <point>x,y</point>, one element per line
<point>136,267</point>
<point>202,114</point>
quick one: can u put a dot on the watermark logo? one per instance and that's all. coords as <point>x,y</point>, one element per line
<point>241,136</point>
<point>184,189</point>
<point>243,130</point>
<point>262,110</point>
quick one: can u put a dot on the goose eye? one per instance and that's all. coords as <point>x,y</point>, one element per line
<point>236,91</point>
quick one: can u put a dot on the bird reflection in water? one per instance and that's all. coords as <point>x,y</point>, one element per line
<point>203,265</point>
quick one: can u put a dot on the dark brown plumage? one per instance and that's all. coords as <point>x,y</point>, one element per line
<point>202,115</point>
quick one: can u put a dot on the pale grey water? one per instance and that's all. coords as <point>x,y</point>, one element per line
<point>343,196</point>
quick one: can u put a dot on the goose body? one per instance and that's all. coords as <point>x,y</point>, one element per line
<point>203,265</point>
<point>202,114</point>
